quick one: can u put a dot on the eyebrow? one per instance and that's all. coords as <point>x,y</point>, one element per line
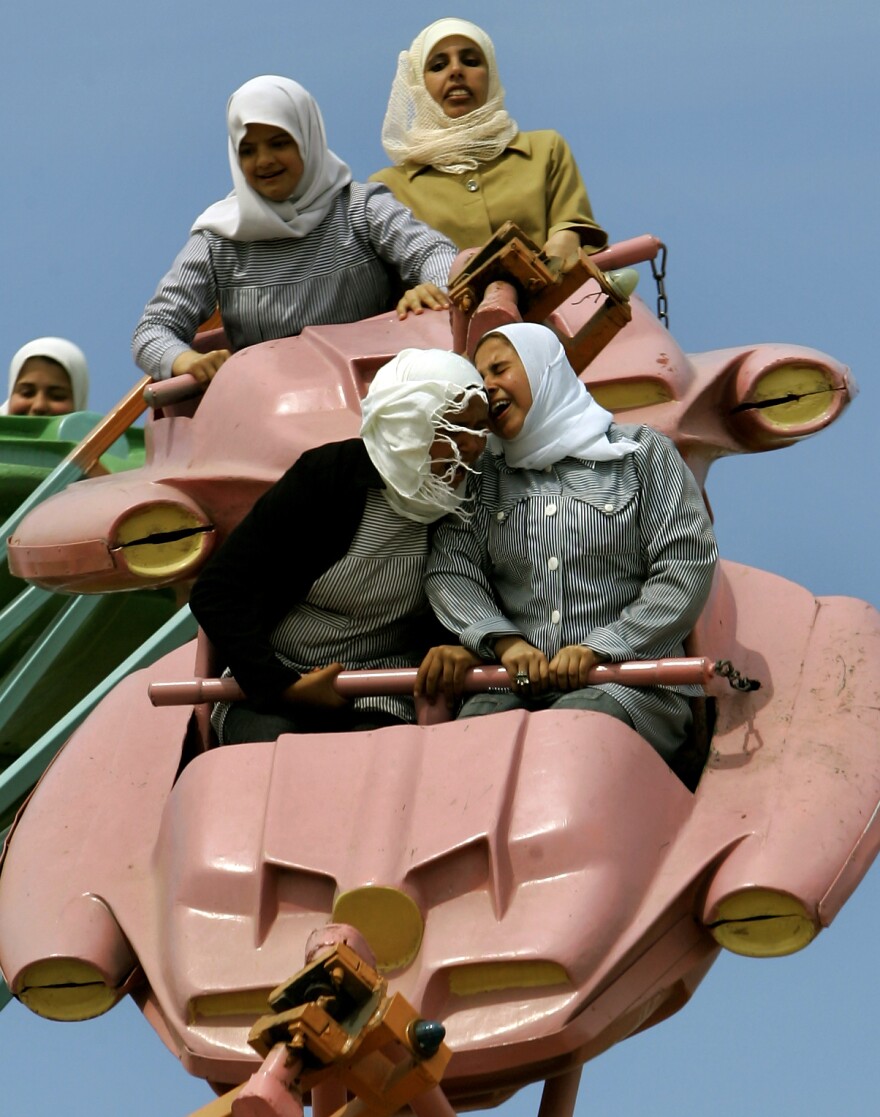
<point>279,135</point>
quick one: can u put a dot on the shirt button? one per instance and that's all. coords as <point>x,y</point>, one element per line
<point>555,616</point>
<point>608,508</point>
<point>500,517</point>
<point>472,185</point>
<point>550,510</point>
<point>553,562</point>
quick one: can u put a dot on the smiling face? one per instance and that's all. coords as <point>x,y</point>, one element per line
<point>470,442</point>
<point>270,161</point>
<point>42,388</point>
<point>507,385</point>
<point>456,76</point>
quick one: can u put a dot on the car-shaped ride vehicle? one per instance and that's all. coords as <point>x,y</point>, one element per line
<point>542,884</point>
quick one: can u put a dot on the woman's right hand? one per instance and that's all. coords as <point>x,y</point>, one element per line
<point>202,366</point>
<point>316,688</point>
<point>442,671</point>
<point>518,657</point>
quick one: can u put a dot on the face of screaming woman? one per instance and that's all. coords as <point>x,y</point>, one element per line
<point>506,383</point>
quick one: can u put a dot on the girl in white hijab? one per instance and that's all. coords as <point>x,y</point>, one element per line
<point>296,242</point>
<point>248,215</point>
<point>459,160</point>
<point>410,432</point>
<point>354,595</point>
<point>587,542</point>
<point>562,420</point>
<point>47,376</point>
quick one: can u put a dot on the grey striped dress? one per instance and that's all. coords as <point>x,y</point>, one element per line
<point>367,610</point>
<point>275,288</point>
<point>617,556</point>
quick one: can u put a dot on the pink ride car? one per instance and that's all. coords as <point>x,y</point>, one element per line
<point>542,885</point>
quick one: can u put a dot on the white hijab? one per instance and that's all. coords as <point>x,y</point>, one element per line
<point>405,410</point>
<point>564,420</point>
<point>69,356</point>
<point>417,129</point>
<point>245,215</point>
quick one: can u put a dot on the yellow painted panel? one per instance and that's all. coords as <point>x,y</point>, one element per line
<point>388,919</point>
<point>627,394</point>
<point>488,977</point>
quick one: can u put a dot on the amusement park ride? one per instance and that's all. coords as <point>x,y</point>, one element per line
<point>434,916</point>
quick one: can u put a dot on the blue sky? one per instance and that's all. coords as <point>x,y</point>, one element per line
<point>744,135</point>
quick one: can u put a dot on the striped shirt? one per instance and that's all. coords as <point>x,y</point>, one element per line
<point>275,288</point>
<point>617,556</point>
<point>367,610</point>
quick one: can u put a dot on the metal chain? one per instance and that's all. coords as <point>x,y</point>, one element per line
<point>726,670</point>
<point>659,273</point>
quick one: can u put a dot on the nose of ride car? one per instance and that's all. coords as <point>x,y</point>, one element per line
<point>98,537</point>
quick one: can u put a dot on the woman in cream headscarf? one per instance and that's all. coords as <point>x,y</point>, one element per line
<point>295,244</point>
<point>327,568</point>
<point>460,162</point>
<point>588,542</point>
<point>47,376</point>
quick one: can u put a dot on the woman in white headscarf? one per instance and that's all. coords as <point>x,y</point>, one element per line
<point>588,542</point>
<point>47,376</point>
<point>327,569</point>
<point>461,163</point>
<point>295,244</point>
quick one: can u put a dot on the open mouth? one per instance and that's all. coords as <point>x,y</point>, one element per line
<point>498,407</point>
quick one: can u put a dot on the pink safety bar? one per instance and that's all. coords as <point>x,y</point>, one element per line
<point>357,684</point>
<point>624,253</point>
<point>162,393</point>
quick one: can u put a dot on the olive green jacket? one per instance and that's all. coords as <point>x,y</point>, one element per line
<point>534,182</point>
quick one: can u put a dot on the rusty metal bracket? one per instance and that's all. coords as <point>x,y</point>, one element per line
<point>510,279</point>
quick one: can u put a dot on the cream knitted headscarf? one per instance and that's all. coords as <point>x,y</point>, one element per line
<point>417,129</point>
<point>564,420</point>
<point>245,215</point>
<point>409,404</point>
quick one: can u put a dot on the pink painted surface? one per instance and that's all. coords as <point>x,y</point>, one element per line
<point>555,838</point>
<point>215,455</point>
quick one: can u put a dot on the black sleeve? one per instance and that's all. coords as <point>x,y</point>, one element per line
<point>295,531</point>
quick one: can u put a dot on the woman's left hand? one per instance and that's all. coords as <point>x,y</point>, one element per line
<point>570,667</point>
<point>564,244</point>
<point>425,296</point>
<point>443,669</point>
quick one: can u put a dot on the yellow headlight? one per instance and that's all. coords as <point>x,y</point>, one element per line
<point>774,402</point>
<point>66,989</point>
<point>793,395</point>
<point>762,923</point>
<point>162,540</point>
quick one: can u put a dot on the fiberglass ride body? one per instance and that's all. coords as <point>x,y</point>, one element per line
<point>541,883</point>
